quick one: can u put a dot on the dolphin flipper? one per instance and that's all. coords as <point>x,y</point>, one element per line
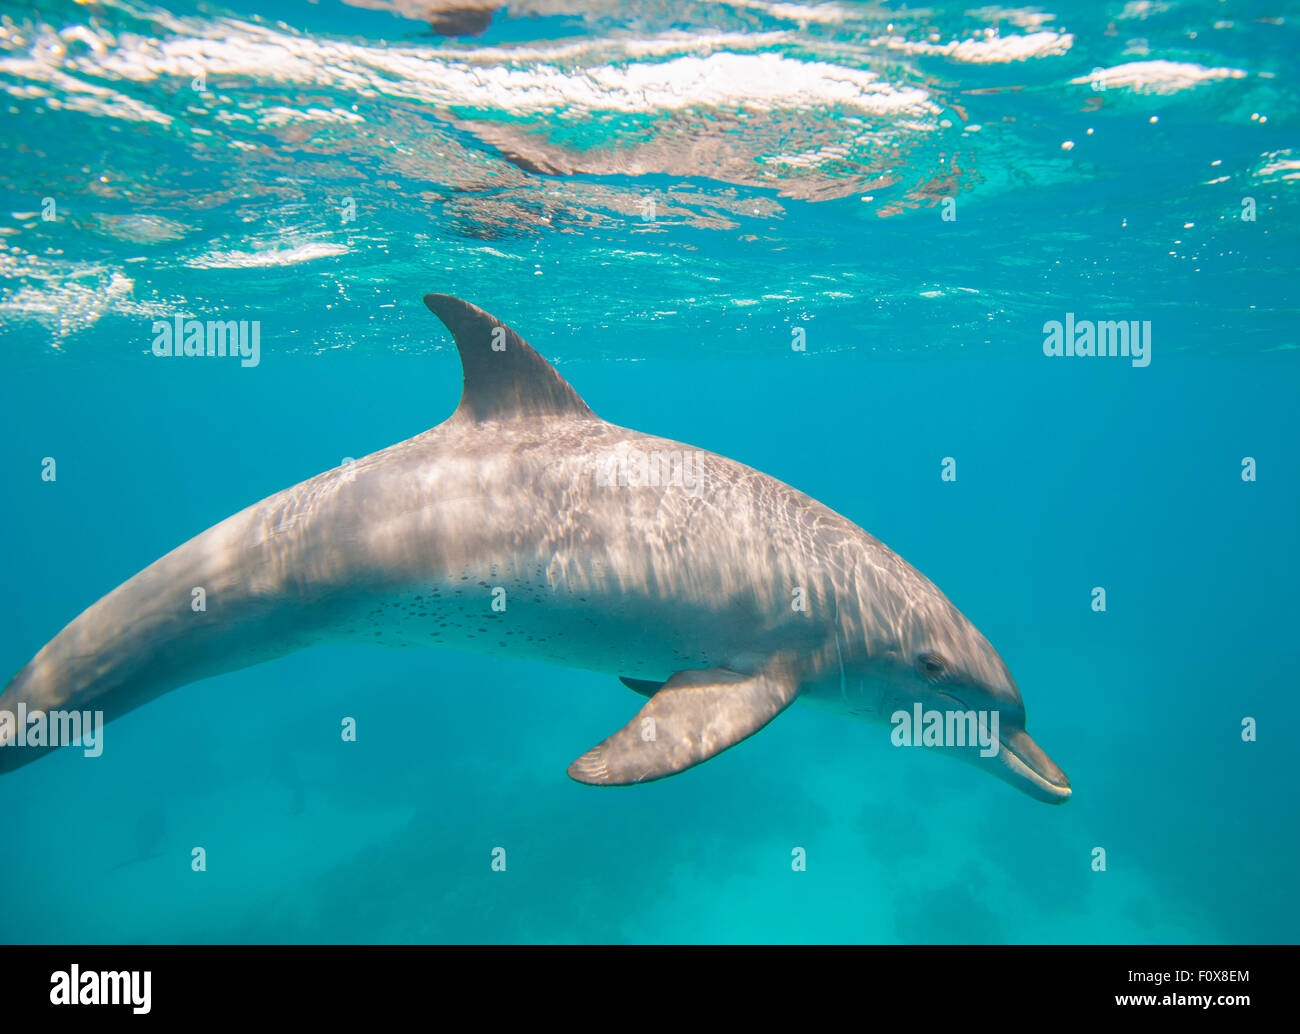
<point>695,715</point>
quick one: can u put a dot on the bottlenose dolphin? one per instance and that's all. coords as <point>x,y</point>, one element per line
<point>527,525</point>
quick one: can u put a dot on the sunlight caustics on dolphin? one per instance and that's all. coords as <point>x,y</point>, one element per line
<point>526,525</point>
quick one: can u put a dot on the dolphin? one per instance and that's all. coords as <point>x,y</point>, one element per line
<point>527,525</point>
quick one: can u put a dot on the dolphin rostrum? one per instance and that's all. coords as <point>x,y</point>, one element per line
<point>527,525</point>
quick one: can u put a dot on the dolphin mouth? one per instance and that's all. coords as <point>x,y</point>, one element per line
<point>1026,765</point>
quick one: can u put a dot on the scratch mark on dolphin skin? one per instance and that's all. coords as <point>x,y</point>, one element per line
<point>839,655</point>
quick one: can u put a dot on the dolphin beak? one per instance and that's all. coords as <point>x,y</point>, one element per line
<point>1024,764</point>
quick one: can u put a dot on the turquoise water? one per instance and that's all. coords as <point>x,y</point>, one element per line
<point>800,160</point>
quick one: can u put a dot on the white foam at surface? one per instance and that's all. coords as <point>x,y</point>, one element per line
<point>1156,76</point>
<point>268,257</point>
<point>987,50</point>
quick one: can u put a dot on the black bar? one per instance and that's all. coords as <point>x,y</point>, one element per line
<point>1029,985</point>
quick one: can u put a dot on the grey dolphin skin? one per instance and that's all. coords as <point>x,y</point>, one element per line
<point>527,525</point>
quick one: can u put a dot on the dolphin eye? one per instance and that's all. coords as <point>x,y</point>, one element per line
<point>931,665</point>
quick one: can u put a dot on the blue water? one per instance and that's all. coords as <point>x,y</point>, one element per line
<point>799,159</point>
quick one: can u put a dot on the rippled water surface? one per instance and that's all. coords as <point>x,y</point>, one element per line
<point>206,155</point>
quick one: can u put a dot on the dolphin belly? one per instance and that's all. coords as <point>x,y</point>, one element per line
<point>543,620</point>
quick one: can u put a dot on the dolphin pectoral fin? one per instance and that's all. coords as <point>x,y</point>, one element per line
<point>645,688</point>
<point>695,715</point>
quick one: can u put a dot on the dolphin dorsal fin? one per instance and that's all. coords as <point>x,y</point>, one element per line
<point>505,379</point>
